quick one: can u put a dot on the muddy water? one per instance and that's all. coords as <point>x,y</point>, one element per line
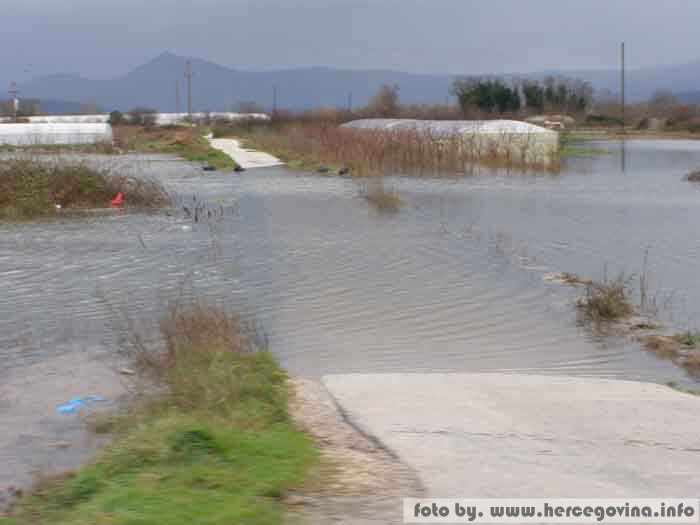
<point>452,282</point>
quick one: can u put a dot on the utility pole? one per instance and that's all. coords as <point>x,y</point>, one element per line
<point>350,102</point>
<point>14,100</point>
<point>274,100</point>
<point>188,76</point>
<point>177,96</point>
<point>622,85</point>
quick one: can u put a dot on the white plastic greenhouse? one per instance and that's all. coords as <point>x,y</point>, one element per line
<point>169,119</point>
<point>54,134</point>
<point>161,119</point>
<point>513,139</point>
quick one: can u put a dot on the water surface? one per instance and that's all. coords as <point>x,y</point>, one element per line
<point>453,282</point>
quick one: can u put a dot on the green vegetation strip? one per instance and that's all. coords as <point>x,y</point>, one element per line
<point>218,448</point>
<point>188,143</point>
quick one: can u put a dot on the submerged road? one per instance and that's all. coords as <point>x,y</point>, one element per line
<point>500,435</point>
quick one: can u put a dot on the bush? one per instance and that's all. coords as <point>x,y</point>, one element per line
<point>31,188</point>
<point>693,176</point>
<point>607,301</point>
<point>141,116</point>
<point>116,118</point>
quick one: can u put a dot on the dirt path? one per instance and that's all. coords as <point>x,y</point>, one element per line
<point>360,481</point>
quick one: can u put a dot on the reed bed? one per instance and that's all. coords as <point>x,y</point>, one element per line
<point>308,145</point>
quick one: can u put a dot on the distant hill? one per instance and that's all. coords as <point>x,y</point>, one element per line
<point>215,87</point>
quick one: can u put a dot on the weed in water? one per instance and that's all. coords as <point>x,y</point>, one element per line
<point>607,300</point>
<point>383,200</point>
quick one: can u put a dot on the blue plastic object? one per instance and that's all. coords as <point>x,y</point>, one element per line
<point>78,402</point>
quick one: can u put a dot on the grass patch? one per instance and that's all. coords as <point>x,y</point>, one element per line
<point>690,339</point>
<point>691,391</point>
<point>36,188</point>
<point>683,349</point>
<point>186,142</point>
<point>570,150</point>
<point>607,300</point>
<point>210,442</point>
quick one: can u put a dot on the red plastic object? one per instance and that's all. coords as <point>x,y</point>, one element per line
<point>118,200</point>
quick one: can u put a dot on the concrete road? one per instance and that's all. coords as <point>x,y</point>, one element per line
<point>499,435</point>
<point>246,159</point>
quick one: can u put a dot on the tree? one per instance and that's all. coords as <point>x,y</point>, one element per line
<point>116,118</point>
<point>534,96</point>
<point>487,95</point>
<point>386,102</point>
<point>142,116</point>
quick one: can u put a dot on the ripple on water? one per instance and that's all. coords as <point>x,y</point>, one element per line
<point>452,282</point>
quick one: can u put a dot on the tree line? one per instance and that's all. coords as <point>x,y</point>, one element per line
<point>494,95</point>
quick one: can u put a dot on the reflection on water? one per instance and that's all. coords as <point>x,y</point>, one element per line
<point>452,282</point>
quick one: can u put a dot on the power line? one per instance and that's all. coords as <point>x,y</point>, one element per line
<point>622,84</point>
<point>177,96</point>
<point>188,76</point>
<point>14,93</point>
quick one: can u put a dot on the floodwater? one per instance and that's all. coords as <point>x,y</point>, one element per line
<point>453,282</point>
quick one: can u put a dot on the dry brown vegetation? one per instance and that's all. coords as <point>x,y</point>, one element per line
<point>311,144</point>
<point>683,349</point>
<point>382,199</point>
<point>607,300</point>
<point>34,187</point>
<point>693,176</point>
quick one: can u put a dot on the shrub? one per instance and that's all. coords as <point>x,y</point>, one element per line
<point>33,188</point>
<point>116,118</point>
<point>142,116</point>
<point>607,300</point>
<point>693,176</point>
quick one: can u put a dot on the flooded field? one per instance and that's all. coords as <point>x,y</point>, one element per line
<point>452,282</point>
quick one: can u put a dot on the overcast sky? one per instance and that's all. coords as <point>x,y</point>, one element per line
<point>101,38</point>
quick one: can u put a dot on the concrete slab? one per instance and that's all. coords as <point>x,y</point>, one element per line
<point>500,435</point>
<point>245,158</point>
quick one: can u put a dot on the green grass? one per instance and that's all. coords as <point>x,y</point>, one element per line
<point>217,448</point>
<point>688,338</point>
<point>691,391</point>
<point>572,145</point>
<point>186,142</point>
<point>570,150</point>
